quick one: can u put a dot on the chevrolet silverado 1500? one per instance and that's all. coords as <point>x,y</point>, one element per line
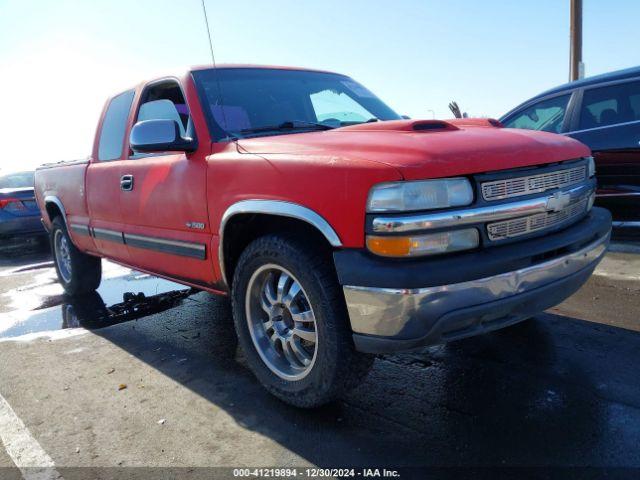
<point>338,228</point>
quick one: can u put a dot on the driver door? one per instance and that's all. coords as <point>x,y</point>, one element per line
<point>165,208</point>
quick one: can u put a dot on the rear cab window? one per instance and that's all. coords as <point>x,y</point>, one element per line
<point>611,105</point>
<point>330,105</point>
<point>114,127</point>
<point>547,115</point>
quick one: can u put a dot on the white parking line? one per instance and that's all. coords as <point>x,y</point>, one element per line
<point>24,450</point>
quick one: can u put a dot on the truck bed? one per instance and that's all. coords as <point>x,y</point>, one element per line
<point>62,185</point>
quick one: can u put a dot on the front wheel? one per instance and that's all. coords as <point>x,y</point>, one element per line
<point>292,323</point>
<point>77,271</point>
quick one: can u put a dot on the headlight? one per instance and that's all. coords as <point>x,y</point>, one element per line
<point>591,167</point>
<point>420,195</point>
<point>420,245</point>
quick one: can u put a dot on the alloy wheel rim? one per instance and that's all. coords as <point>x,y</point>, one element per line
<point>63,255</point>
<point>281,322</point>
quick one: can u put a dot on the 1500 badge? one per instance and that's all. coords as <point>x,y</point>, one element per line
<point>196,225</point>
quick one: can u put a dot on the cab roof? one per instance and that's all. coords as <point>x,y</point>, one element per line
<point>220,66</point>
<point>252,66</point>
<point>596,79</point>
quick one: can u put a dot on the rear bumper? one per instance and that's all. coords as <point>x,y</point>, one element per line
<point>387,319</point>
<point>21,226</point>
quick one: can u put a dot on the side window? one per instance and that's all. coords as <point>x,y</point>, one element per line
<point>610,105</point>
<point>634,101</point>
<point>114,127</point>
<point>165,101</point>
<point>546,115</point>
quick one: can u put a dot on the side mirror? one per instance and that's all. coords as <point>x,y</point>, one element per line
<point>150,136</point>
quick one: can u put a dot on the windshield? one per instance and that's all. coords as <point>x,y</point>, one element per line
<point>17,180</point>
<point>249,102</point>
<point>546,115</point>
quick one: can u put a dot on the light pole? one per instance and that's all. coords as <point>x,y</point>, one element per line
<point>576,67</point>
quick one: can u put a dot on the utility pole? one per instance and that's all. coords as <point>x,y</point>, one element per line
<point>576,67</point>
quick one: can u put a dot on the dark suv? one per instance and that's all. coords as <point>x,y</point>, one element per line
<point>604,113</point>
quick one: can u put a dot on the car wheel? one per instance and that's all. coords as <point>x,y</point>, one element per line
<point>77,271</point>
<point>292,323</point>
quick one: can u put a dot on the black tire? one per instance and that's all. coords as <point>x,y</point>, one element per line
<point>84,272</point>
<point>337,367</point>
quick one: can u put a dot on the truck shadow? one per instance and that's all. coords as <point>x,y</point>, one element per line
<point>550,391</point>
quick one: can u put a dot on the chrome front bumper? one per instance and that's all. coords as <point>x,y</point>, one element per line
<point>390,319</point>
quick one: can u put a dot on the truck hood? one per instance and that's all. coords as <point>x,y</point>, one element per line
<point>427,148</point>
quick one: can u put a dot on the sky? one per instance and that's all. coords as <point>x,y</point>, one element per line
<point>60,60</point>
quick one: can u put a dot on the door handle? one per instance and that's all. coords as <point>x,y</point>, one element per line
<point>126,183</point>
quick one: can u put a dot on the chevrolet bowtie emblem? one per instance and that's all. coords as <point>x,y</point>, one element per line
<point>558,201</point>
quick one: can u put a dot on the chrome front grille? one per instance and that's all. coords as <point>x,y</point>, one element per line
<point>533,223</point>
<point>516,187</point>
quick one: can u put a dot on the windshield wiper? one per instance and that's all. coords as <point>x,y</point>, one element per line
<point>289,125</point>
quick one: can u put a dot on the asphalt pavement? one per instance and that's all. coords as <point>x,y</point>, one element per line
<point>146,373</point>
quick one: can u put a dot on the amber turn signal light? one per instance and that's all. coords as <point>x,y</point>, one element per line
<point>419,245</point>
<point>389,246</point>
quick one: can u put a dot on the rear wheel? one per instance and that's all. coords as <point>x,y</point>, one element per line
<point>292,323</point>
<point>77,271</point>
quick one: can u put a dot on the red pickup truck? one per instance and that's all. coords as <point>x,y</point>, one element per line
<point>338,228</point>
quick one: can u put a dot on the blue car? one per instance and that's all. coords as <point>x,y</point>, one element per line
<point>19,213</point>
<point>603,112</point>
